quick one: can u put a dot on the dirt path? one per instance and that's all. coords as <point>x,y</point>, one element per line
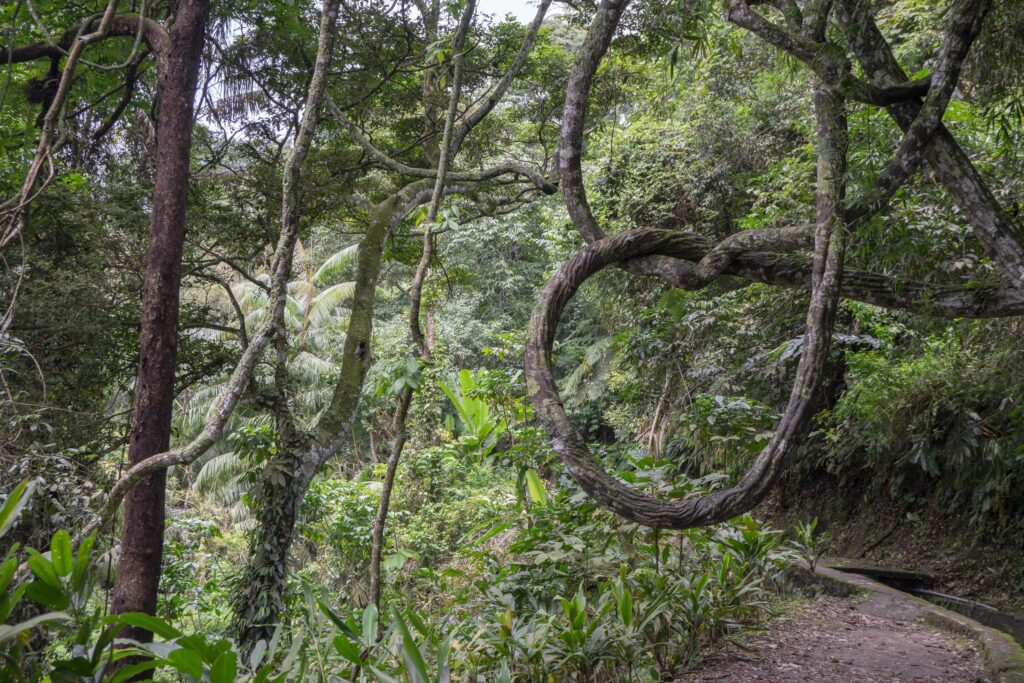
<point>839,640</point>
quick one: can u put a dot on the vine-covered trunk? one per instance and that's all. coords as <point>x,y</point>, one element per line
<point>287,476</point>
<point>260,600</point>
<point>138,576</point>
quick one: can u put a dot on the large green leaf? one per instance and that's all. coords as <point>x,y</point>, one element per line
<point>15,503</point>
<point>60,553</point>
<point>415,665</point>
<point>7,632</point>
<point>225,668</point>
<point>154,625</point>
<point>42,568</point>
<point>538,494</point>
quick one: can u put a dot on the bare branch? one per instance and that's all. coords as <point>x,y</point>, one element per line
<point>963,26</point>
<point>1001,235</point>
<point>497,92</point>
<point>502,168</point>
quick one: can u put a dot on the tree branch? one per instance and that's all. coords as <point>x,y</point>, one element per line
<point>1000,234</point>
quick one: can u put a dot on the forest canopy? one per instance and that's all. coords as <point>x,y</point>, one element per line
<point>365,340</point>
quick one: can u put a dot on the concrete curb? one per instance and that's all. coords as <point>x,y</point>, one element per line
<point>1003,656</point>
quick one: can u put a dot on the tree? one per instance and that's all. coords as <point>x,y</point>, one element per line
<point>178,50</point>
<point>805,37</point>
<point>138,577</point>
<point>303,453</point>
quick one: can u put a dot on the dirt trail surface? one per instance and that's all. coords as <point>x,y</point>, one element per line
<point>839,639</point>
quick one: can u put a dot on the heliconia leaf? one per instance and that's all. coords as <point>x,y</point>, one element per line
<point>538,494</point>
<point>370,618</point>
<point>224,668</point>
<point>15,503</point>
<point>152,624</point>
<point>60,553</point>
<point>80,572</point>
<point>42,568</point>
<point>47,595</point>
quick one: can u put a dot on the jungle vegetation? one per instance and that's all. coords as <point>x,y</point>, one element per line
<point>396,340</point>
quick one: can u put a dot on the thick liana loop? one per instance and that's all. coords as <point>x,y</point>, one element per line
<point>610,491</point>
<point>616,494</point>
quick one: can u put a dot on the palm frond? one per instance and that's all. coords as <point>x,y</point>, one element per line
<point>327,303</point>
<point>335,264</point>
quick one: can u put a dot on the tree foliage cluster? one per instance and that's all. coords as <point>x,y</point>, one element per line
<point>373,222</point>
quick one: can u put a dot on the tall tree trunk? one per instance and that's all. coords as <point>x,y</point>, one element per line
<point>424,345</point>
<point>260,599</point>
<point>287,476</point>
<point>138,577</point>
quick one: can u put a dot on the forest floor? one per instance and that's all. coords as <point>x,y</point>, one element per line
<point>842,639</point>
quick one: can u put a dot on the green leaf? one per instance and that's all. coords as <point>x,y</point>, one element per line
<point>256,656</point>
<point>42,568</point>
<point>335,264</point>
<point>382,677</point>
<point>77,667</point>
<point>491,533</point>
<point>347,649</point>
<point>225,668</point>
<point>370,618</point>
<point>625,606</point>
<point>538,494</point>
<point>415,665</point>
<point>81,571</point>
<point>15,503</point>
<point>337,621</point>
<point>187,662</point>
<point>9,632</point>
<point>7,569</point>
<point>154,625</point>
<point>46,595</point>
<point>127,672</point>
<point>60,553</point>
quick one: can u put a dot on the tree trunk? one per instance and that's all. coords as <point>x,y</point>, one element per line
<point>287,477</point>
<point>138,576</point>
<point>260,598</point>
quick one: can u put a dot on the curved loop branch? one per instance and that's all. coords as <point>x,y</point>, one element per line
<point>829,250</point>
<point>570,445</point>
<point>826,274</point>
<point>577,96</point>
<point>725,253</point>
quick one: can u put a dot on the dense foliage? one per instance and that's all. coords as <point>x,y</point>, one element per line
<point>495,564</point>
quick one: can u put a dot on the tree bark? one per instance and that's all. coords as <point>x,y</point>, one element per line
<point>415,299</point>
<point>826,273</point>
<point>260,599</point>
<point>138,576</point>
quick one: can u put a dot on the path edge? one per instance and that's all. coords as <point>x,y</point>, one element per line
<point>1004,658</point>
